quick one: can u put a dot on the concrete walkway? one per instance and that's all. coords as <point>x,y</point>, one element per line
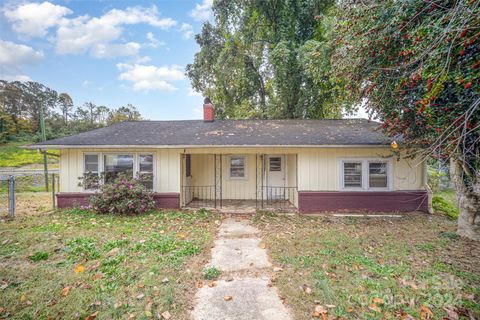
<point>245,278</point>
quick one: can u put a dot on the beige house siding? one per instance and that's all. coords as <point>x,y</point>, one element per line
<point>318,168</point>
<point>167,167</point>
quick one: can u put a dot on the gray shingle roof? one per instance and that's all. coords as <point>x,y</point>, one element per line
<point>229,133</point>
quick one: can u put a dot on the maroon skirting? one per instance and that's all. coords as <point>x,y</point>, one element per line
<point>377,201</point>
<point>168,200</point>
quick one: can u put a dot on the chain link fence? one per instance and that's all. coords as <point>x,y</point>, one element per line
<point>26,192</point>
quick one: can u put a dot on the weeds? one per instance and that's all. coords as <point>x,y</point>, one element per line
<point>38,256</point>
<point>211,273</point>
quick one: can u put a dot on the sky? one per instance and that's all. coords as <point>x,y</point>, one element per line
<point>111,53</point>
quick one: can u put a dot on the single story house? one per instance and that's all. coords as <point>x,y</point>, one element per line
<point>298,165</point>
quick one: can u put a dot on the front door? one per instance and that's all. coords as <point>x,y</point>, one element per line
<point>275,177</point>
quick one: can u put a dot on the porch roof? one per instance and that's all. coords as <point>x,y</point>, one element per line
<point>238,133</point>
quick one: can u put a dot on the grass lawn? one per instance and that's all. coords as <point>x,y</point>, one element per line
<point>374,268</point>
<point>14,156</point>
<point>74,264</point>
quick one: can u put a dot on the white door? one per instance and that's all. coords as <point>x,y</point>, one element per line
<point>275,177</point>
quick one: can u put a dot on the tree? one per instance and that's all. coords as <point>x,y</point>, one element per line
<point>255,61</point>
<point>416,63</point>
<point>65,103</point>
<point>124,113</point>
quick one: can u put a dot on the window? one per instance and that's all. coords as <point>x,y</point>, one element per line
<point>114,164</point>
<point>275,164</point>
<point>352,174</point>
<point>365,174</point>
<point>145,170</point>
<point>377,175</point>
<point>99,168</point>
<point>91,163</point>
<point>188,165</point>
<point>237,167</point>
<point>91,177</point>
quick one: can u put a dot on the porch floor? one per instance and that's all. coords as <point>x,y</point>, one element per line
<point>242,206</point>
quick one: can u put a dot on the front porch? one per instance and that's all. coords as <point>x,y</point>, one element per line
<point>239,183</point>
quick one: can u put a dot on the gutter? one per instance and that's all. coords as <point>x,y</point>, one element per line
<point>96,146</point>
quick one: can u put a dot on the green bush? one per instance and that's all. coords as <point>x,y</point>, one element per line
<point>441,205</point>
<point>125,195</point>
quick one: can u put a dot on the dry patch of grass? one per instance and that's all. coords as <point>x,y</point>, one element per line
<point>75,264</point>
<point>374,268</point>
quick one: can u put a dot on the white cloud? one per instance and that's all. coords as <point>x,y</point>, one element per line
<point>202,11</point>
<point>154,42</point>
<point>115,50</point>
<point>34,19</point>
<point>150,77</point>
<point>96,34</point>
<point>100,36</point>
<point>187,30</point>
<point>86,83</point>
<point>13,56</point>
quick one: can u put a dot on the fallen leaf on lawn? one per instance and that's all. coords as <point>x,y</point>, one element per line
<point>97,276</point>
<point>117,305</point>
<point>23,297</point>
<point>227,298</point>
<point>452,315</point>
<point>277,269</point>
<point>92,316</point>
<point>4,285</point>
<point>212,284</point>
<point>112,252</point>
<point>165,280</point>
<point>350,309</point>
<point>95,266</point>
<point>330,306</point>
<point>140,296</point>
<point>181,235</point>
<point>199,284</point>
<point>66,291</point>
<point>96,304</point>
<point>425,313</point>
<point>375,308</point>
<point>378,301</point>
<point>79,269</point>
<point>320,309</point>
<point>166,315</point>
<point>306,289</point>
<point>263,245</point>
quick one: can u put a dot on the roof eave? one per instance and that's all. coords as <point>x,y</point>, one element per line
<point>64,146</point>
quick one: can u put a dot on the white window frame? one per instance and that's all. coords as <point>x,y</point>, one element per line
<point>365,174</point>
<point>245,165</point>
<point>136,162</point>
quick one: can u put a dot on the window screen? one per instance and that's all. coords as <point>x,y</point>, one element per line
<point>91,163</point>
<point>275,163</point>
<point>145,170</point>
<point>237,167</point>
<point>352,174</point>
<point>377,175</point>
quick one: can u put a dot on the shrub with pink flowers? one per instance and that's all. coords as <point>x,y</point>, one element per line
<point>125,195</point>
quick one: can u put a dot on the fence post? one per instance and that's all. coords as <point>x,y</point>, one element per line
<point>53,190</point>
<point>11,197</point>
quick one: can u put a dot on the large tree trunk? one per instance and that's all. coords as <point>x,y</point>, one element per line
<point>468,201</point>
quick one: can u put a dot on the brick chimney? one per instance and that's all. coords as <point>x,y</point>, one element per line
<point>208,111</point>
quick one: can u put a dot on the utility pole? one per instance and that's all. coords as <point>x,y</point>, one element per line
<point>44,138</point>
